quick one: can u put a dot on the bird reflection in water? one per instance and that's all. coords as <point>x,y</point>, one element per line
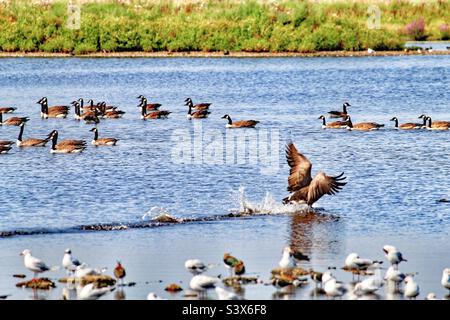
<point>120,294</point>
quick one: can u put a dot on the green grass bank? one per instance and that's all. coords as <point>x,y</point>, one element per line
<point>208,26</point>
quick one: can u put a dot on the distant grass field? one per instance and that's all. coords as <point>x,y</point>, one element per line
<point>247,26</point>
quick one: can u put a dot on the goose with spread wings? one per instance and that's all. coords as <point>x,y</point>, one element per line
<point>304,187</point>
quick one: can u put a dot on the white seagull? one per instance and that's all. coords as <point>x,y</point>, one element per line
<point>154,296</point>
<point>331,286</point>
<point>34,264</point>
<point>368,286</point>
<point>84,270</point>
<point>353,261</point>
<point>223,294</point>
<point>290,257</point>
<point>393,255</point>
<point>411,288</point>
<point>90,292</point>
<point>395,276</point>
<point>195,266</point>
<point>445,281</point>
<point>69,262</point>
<point>201,283</point>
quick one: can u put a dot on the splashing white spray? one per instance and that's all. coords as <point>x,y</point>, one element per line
<point>268,205</point>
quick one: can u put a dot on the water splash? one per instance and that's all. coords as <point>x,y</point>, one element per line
<point>268,205</point>
<point>155,213</point>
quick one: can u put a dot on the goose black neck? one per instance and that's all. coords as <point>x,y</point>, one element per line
<point>190,109</point>
<point>429,122</point>
<point>95,135</point>
<point>396,123</point>
<point>344,107</point>
<point>44,107</point>
<point>143,110</point>
<point>349,122</point>
<point>1,117</point>
<point>19,138</point>
<point>424,121</point>
<point>77,110</point>
<point>81,103</point>
<point>54,140</point>
<point>324,121</point>
<point>229,120</point>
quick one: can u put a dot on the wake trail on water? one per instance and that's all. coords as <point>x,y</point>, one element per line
<point>158,216</point>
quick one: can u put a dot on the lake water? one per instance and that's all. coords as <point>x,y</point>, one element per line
<point>395,179</point>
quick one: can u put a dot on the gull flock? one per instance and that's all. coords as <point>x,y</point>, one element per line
<point>369,281</point>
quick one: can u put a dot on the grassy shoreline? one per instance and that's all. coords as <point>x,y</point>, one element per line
<point>284,26</point>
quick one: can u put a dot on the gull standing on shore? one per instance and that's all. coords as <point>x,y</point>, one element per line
<point>353,261</point>
<point>201,283</point>
<point>411,288</point>
<point>70,263</point>
<point>393,255</point>
<point>195,266</point>
<point>331,286</point>
<point>395,276</point>
<point>368,286</point>
<point>288,260</point>
<point>34,264</point>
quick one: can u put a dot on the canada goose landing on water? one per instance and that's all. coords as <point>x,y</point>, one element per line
<point>7,109</point>
<point>333,125</point>
<point>149,106</point>
<point>102,141</point>
<point>340,114</point>
<point>304,187</point>
<point>240,124</point>
<point>13,121</point>
<point>437,125</point>
<point>64,148</point>
<point>52,112</point>
<point>363,126</point>
<point>198,106</point>
<point>407,126</point>
<point>158,114</point>
<point>30,142</point>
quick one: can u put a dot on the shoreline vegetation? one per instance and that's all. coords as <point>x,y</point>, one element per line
<point>213,28</point>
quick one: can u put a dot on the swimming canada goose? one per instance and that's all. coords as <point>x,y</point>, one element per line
<point>54,111</point>
<point>149,106</point>
<point>304,187</point>
<point>408,125</point>
<point>240,124</point>
<point>333,125</point>
<point>200,114</point>
<point>198,106</point>
<point>66,148</point>
<point>30,142</point>
<point>6,143</point>
<point>437,125</point>
<point>89,116</point>
<point>362,126</point>
<point>7,109</point>
<point>102,141</point>
<point>158,114</point>
<point>110,113</point>
<point>4,149</point>
<point>340,114</point>
<point>66,142</point>
<point>13,121</point>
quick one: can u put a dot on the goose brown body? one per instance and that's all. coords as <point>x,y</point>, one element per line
<point>408,125</point>
<point>54,111</point>
<point>437,125</point>
<point>333,125</point>
<point>300,182</point>
<point>13,121</point>
<point>363,126</point>
<point>30,142</point>
<point>7,109</point>
<point>66,142</point>
<point>65,148</point>
<point>102,141</point>
<point>198,106</point>
<point>340,114</point>
<point>240,123</point>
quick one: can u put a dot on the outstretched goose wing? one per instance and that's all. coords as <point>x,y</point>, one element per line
<point>300,173</point>
<point>323,184</point>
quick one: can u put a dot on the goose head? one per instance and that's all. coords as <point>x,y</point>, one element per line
<point>226,117</point>
<point>394,119</point>
<point>346,104</point>
<point>422,116</point>
<point>41,101</point>
<point>141,97</point>
<point>93,130</point>
<point>321,117</point>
